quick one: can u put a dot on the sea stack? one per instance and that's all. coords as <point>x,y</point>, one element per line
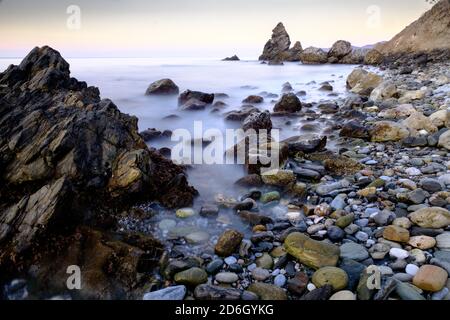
<point>277,48</point>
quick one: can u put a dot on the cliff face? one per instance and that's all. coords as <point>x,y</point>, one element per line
<point>69,159</point>
<point>429,32</point>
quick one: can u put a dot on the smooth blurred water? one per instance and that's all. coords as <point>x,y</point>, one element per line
<point>125,81</point>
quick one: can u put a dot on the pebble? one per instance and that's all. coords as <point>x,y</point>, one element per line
<point>280,280</point>
<point>343,296</point>
<point>230,260</point>
<point>412,269</point>
<point>398,253</point>
<point>167,224</point>
<point>362,236</point>
<point>353,251</point>
<point>413,171</point>
<point>214,266</point>
<point>260,274</point>
<point>170,293</point>
<point>227,277</point>
<point>440,295</point>
<point>311,287</point>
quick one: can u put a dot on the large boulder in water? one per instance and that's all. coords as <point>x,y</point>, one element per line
<point>277,45</point>
<point>313,55</point>
<point>163,87</point>
<point>258,121</point>
<point>288,103</point>
<point>187,95</point>
<point>67,157</point>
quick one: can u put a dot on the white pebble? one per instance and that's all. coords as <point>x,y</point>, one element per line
<point>398,253</point>
<point>412,269</point>
<point>311,287</point>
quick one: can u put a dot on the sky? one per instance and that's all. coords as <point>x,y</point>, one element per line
<point>202,28</point>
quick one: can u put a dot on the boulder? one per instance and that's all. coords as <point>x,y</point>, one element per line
<point>163,87</point>
<point>253,99</point>
<point>267,291</point>
<point>258,121</point>
<point>417,122</point>
<point>434,218</point>
<point>444,140</point>
<point>228,243</point>
<point>187,95</point>
<point>356,56</point>
<point>373,57</point>
<point>384,131</point>
<point>313,55</point>
<point>289,103</point>
<point>430,278</point>
<point>354,129</point>
<point>439,118</point>
<point>277,45</point>
<point>209,292</point>
<point>314,254</point>
<point>395,233</point>
<point>383,91</point>
<point>363,82</point>
<point>333,276</point>
<point>191,277</point>
<point>277,177</point>
<point>400,111</point>
<point>339,50</point>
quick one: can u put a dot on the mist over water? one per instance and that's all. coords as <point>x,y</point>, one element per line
<point>125,80</point>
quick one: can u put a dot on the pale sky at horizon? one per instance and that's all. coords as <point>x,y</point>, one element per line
<point>208,28</point>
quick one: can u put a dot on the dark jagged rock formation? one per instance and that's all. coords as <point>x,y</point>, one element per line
<point>277,49</point>
<point>68,158</point>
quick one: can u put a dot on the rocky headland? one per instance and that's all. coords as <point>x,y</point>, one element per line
<point>71,164</point>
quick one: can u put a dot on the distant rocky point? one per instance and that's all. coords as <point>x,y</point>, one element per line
<point>233,58</point>
<point>277,50</point>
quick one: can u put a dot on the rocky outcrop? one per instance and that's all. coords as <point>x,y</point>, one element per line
<point>232,58</point>
<point>67,157</point>
<point>313,55</point>
<point>430,32</point>
<point>277,49</point>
